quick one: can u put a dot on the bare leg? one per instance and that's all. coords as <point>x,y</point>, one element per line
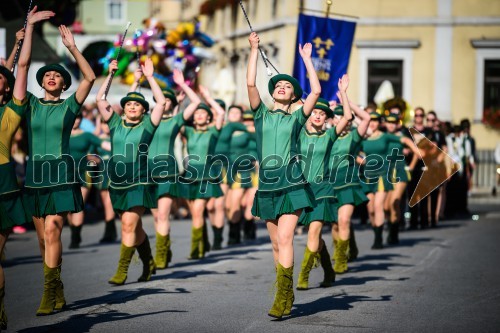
<point>52,235</point>
<point>344,223</point>
<point>132,232</point>
<point>76,219</point>
<point>286,231</point>
<point>109,213</point>
<point>314,236</point>
<point>162,215</point>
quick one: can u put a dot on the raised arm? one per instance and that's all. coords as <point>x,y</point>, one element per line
<point>253,92</point>
<point>211,102</point>
<point>19,37</point>
<point>137,80</point>
<point>363,116</point>
<point>157,112</point>
<point>312,98</point>
<point>193,97</point>
<point>88,74</point>
<point>25,55</point>
<point>105,109</point>
<point>343,85</point>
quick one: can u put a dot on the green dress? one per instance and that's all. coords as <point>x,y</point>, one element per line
<point>51,186</point>
<point>12,210</point>
<point>315,149</point>
<point>345,171</point>
<point>222,149</point>
<point>400,171</point>
<point>162,163</point>
<point>201,179</point>
<point>377,171</point>
<point>130,185</point>
<point>240,160</point>
<point>80,145</point>
<point>100,179</point>
<point>283,188</point>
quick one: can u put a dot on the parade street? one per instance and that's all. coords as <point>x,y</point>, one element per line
<point>443,279</point>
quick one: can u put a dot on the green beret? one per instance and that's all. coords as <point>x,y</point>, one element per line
<point>339,110</point>
<point>248,115</point>
<point>137,97</point>
<point>297,90</point>
<point>170,94</point>
<point>57,68</point>
<point>205,107</point>
<point>221,103</point>
<point>392,118</point>
<point>375,115</point>
<point>322,104</point>
<point>8,76</point>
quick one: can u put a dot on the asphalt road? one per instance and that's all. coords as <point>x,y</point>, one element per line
<point>437,280</point>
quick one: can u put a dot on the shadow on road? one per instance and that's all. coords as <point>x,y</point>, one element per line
<point>15,261</point>
<point>121,297</point>
<point>329,303</point>
<point>85,322</point>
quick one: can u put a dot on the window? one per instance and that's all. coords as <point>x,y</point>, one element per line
<point>392,63</point>
<point>491,99</point>
<point>381,70</point>
<point>115,11</point>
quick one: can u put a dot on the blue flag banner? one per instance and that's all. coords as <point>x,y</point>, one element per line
<point>332,41</point>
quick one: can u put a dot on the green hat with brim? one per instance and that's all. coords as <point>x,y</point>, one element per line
<point>248,115</point>
<point>137,97</point>
<point>56,68</point>
<point>205,107</point>
<point>391,118</point>
<point>9,76</point>
<point>221,103</point>
<point>297,90</point>
<point>170,94</point>
<point>339,110</point>
<point>375,116</point>
<point>322,104</point>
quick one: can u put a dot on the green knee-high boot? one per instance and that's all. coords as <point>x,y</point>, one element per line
<point>60,300</point>
<point>334,254</point>
<point>197,244</point>
<point>218,232</point>
<point>3,314</point>
<point>234,233</point>
<point>126,254</point>
<point>284,292</point>
<point>163,253</point>
<point>353,247</point>
<point>309,262</point>
<point>378,241</point>
<point>340,266</point>
<point>109,232</point>
<point>326,264</point>
<point>48,302</point>
<point>393,237</point>
<point>148,263</point>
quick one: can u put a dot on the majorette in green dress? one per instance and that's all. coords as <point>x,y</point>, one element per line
<point>162,163</point>
<point>12,210</point>
<point>51,186</point>
<point>222,149</point>
<point>201,180</point>
<point>345,171</point>
<point>283,188</point>
<point>377,171</point>
<point>130,185</point>
<point>315,149</point>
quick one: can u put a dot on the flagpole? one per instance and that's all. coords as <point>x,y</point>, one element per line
<point>328,5</point>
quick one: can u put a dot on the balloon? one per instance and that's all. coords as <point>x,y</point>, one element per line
<point>204,39</point>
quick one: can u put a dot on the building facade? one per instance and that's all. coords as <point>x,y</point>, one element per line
<point>443,55</point>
